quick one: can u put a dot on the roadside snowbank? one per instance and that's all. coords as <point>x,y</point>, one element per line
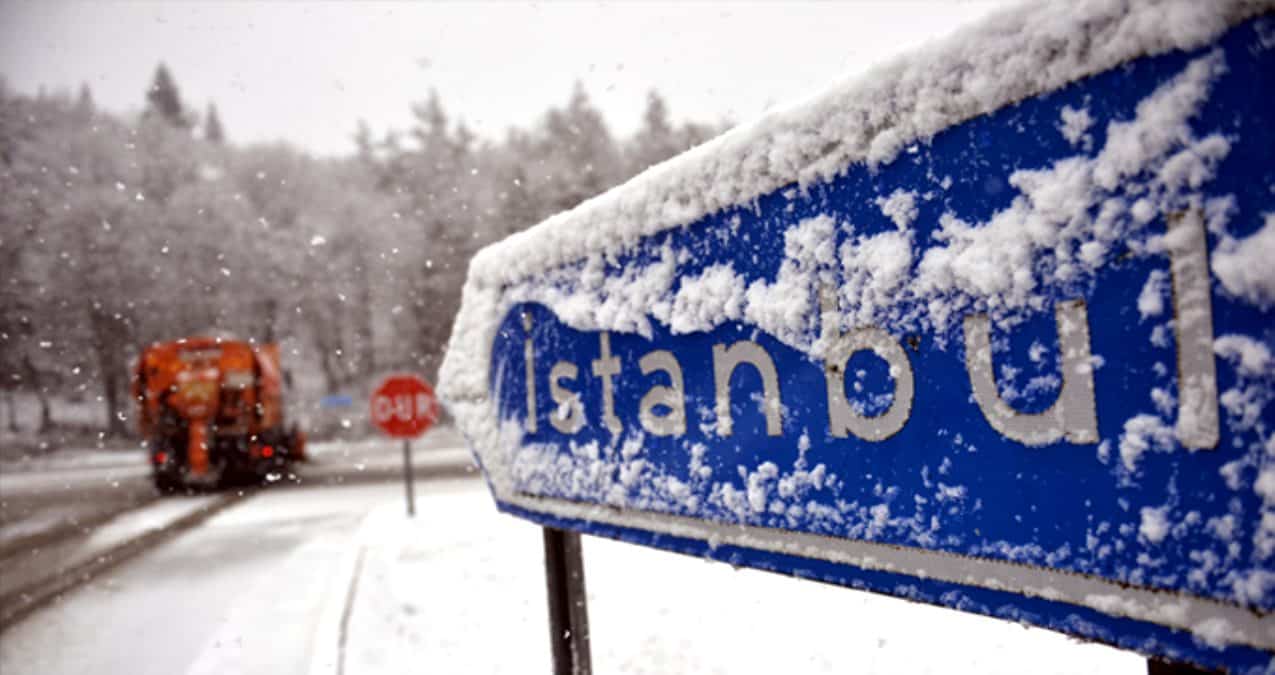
<point>460,589</point>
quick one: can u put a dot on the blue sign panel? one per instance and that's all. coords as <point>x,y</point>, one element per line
<point>336,401</point>
<point>1023,369</point>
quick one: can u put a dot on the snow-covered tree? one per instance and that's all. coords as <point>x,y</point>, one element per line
<point>163,100</point>
<point>213,131</point>
<point>116,231</point>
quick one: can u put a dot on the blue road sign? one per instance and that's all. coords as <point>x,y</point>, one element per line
<point>336,401</point>
<point>1022,369</point>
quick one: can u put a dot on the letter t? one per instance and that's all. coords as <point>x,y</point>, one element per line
<point>604,367</point>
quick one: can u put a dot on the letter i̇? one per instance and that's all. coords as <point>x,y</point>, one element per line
<point>529,356</point>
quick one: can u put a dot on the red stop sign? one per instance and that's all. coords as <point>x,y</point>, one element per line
<point>404,406</point>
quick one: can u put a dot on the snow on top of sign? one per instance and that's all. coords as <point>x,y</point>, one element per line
<point>786,307</point>
<point>1252,358</point>
<point>1151,301</point>
<point>704,300</point>
<point>1243,265</point>
<point>869,119</point>
<point>1046,239</point>
<point>1155,524</point>
<point>1075,126</point>
<point>900,207</point>
<point>866,120</point>
<point>994,264</point>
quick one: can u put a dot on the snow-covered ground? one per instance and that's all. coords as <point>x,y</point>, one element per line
<point>243,587</point>
<point>263,588</point>
<point>440,445</point>
<point>466,594</point>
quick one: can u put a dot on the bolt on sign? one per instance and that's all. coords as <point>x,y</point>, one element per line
<point>989,327</point>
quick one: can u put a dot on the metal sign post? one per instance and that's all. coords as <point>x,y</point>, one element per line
<point>407,477</point>
<point>1158,667</point>
<point>568,610</point>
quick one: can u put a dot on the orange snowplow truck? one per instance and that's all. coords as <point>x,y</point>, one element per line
<point>211,410</point>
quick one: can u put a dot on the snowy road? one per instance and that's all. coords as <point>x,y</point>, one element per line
<point>266,587</point>
<point>80,489</point>
<point>66,516</point>
<point>72,488</point>
<point>248,584</point>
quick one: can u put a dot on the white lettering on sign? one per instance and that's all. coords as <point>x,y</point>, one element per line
<point>569,416</point>
<point>605,367</point>
<point>1072,417</point>
<point>672,397</point>
<point>382,408</point>
<point>405,407</point>
<point>725,360</point>
<point>529,355</point>
<point>1197,425</point>
<point>842,418</point>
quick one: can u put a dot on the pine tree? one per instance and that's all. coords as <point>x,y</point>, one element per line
<point>363,143</point>
<point>163,99</point>
<point>84,106</point>
<point>581,158</point>
<point>213,132</point>
<point>431,128</point>
<point>656,141</point>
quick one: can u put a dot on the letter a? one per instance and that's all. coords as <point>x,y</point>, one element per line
<point>842,418</point>
<point>672,397</point>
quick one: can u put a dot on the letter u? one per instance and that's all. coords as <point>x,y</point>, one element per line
<point>1072,416</point>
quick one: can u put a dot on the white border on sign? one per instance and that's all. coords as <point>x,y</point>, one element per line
<point>1162,607</point>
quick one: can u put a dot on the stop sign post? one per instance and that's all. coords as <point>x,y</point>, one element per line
<point>404,406</point>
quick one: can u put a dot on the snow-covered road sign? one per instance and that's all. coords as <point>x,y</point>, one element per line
<point>989,327</point>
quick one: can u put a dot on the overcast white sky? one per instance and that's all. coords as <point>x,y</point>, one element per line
<point>306,73</point>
